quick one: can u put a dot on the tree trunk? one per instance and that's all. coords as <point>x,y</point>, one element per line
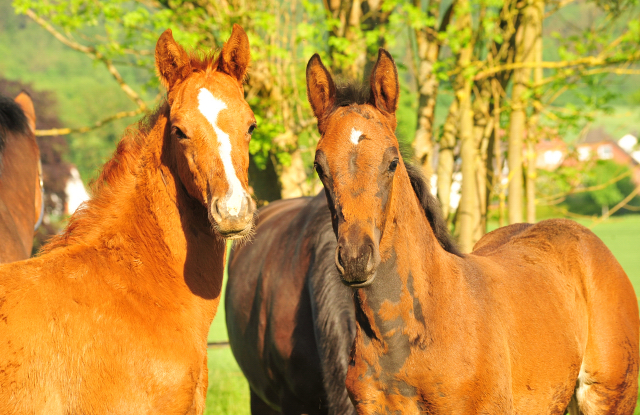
<point>537,16</point>
<point>525,40</point>
<point>446,160</point>
<point>428,53</point>
<point>468,212</point>
<point>354,17</point>
<point>293,177</point>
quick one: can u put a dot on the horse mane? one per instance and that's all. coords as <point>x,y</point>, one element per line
<point>12,120</point>
<point>431,206</point>
<point>350,92</point>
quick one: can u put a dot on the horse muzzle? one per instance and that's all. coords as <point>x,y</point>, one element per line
<point>357,263</point>
<point>233,219</point>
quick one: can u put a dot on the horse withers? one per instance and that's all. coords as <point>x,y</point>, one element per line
<point>538,319</point>
<point>21,201</point>
<point>113,316</point>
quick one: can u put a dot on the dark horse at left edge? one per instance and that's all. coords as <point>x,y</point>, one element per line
<point>21,201</point>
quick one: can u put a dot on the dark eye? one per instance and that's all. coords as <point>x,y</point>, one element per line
<point>251,128</point>
<point>393,166</point>
<point>178,133</point>
<point>318,169</point>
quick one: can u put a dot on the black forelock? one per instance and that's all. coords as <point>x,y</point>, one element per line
<point>12,120</point>
<point>351,92</point>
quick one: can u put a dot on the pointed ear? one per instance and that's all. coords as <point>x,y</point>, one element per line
<point>235,56</point>
<point>321,91</point>
<point>172,62</point>
<point>385,90</point>
<point>25,102</point>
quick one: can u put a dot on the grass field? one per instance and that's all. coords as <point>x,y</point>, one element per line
<point>229,392</point>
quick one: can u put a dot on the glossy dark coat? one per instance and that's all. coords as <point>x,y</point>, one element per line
<point>291,321</point>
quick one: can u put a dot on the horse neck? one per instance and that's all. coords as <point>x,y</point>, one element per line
<point>147,217</point>
<point>18,180</point>
<point>409,275</point>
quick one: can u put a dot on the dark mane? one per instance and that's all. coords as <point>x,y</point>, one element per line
<point>351,92</point>
<point>12,120</point>
<point>431,207</point>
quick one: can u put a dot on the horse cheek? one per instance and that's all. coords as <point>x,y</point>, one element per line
<point>191,177</point>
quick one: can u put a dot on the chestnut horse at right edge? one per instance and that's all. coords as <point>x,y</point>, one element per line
<point>538,319</point>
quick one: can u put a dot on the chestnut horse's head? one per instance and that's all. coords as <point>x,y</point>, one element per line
<point>210,127</point>
<point>358,160</point>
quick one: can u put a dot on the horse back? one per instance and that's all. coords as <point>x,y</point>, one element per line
<point>558,275</point>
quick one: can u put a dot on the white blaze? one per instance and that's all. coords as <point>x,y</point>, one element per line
<point>355,136</point>
<point>210,107</point>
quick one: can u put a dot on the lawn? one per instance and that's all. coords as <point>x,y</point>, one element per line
<point>229,392</point>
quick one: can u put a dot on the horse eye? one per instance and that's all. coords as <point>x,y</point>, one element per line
<point>393,166</point>
<point>251,128</point>
<point>178,132</point>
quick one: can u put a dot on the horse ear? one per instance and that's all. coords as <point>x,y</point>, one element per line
<point>25,102</point>
<point>172,62</point>
<point>321,91</point>
<point>385,89</point>
<point>235,56</point>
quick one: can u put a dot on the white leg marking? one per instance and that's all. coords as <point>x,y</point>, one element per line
<point>210,107</point>
<point>583,385</point>
<point>355,136</point>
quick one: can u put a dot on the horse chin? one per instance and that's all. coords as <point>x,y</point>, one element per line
<point>359,284</point>
<point>234,234</point>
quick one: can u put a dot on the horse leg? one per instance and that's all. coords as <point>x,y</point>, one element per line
<point>608,378</point>
<point>260,407</point>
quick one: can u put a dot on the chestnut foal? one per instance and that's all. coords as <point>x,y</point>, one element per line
<point>113,316</point>
<point>537,320</point>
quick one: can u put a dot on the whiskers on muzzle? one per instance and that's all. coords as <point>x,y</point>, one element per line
<point>233,224</point>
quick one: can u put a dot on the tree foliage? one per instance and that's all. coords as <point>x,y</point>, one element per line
<point>470,71</point>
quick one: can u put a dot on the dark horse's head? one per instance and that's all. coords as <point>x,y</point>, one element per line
<point>358,160</point>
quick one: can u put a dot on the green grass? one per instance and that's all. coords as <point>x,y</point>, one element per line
<point>228,389</point>
<point>228,392</point>
<point>622,236</point>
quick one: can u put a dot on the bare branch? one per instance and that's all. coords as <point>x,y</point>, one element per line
<point>557,7</point>
<point>589,188</point>
<point>589,61</point>
<point>617,207</point>
<point>93,53</point>
<point>65,131</point>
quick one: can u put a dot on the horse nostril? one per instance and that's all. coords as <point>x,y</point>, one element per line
<point>371,260</point>
<point>215,210</point>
